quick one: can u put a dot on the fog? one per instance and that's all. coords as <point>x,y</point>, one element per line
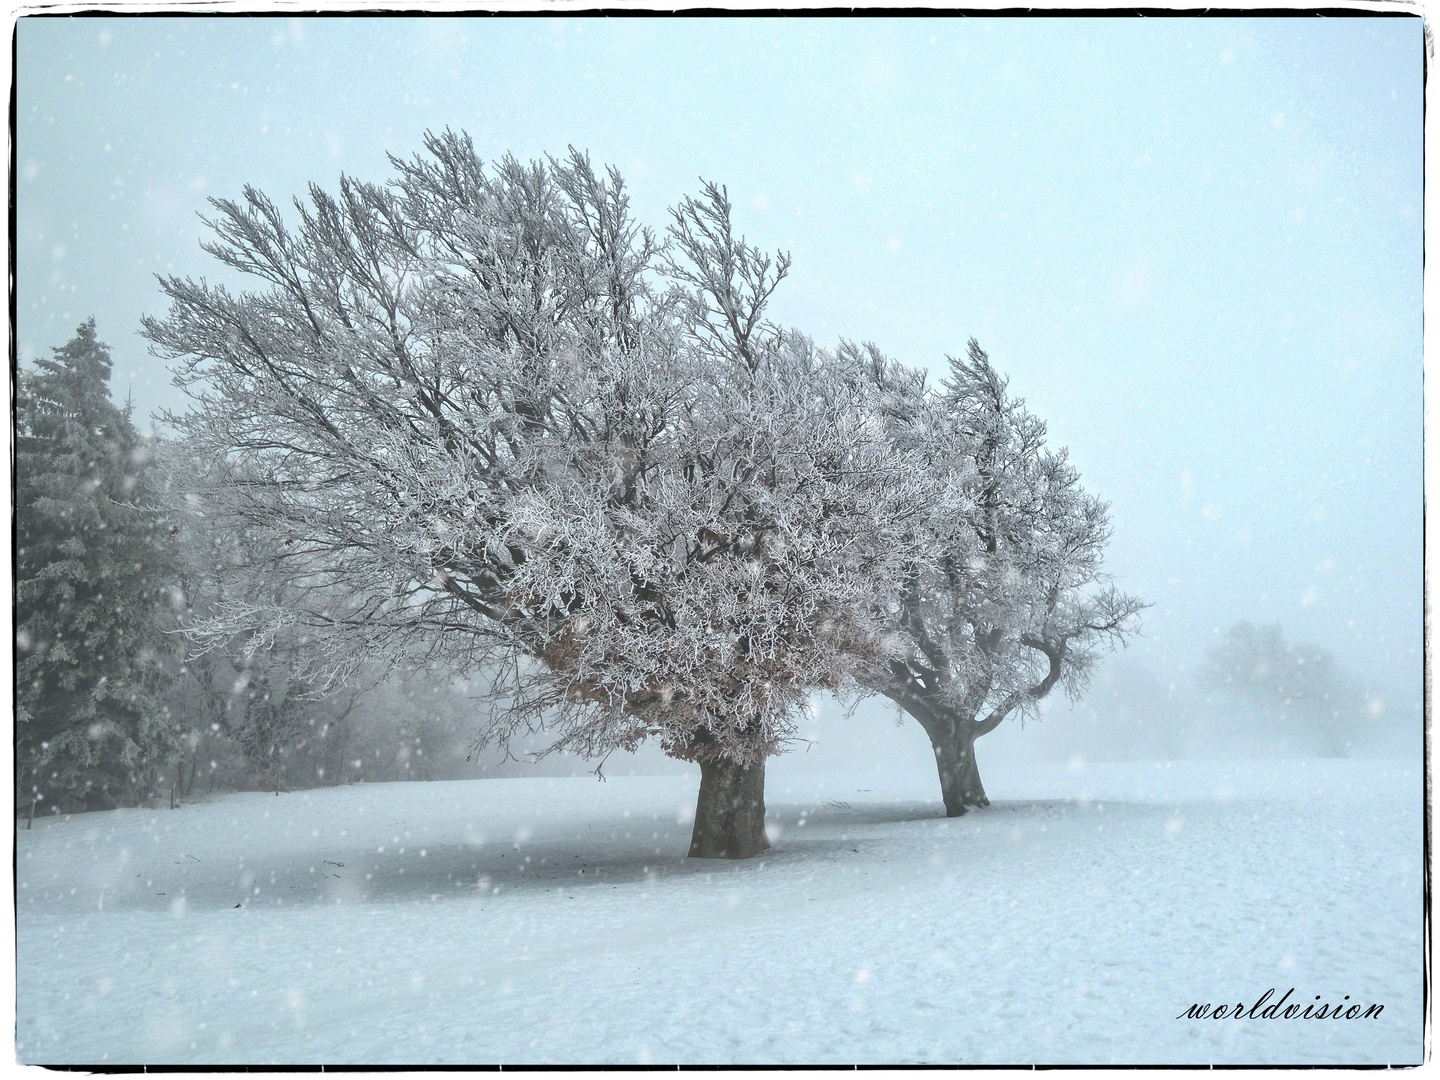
<point>1194,245</point>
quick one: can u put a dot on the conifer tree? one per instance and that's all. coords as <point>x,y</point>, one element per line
<point>90,572</point>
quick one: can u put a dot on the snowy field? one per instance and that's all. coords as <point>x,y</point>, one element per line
<point>556,920</point>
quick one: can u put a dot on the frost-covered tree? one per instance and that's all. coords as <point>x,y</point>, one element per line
<point>91,569</point>
<point>1004,596</point>
<point>1291,688</point>
<point>519,435</point>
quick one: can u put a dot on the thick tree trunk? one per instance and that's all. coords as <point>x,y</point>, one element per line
<point>960,785</point>
<point>730,812</point>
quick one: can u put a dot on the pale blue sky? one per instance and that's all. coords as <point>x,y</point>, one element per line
<point>1194,244</point>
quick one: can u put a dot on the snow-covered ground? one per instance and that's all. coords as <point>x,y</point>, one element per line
<point>557,920</point>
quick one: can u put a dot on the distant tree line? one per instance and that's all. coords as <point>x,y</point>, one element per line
<point>1253,693</point>
<point>478,423</point>
<point>1285,689</point>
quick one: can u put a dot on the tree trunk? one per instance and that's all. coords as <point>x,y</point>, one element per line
<point>730,812</point>
<point>960,785</point>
